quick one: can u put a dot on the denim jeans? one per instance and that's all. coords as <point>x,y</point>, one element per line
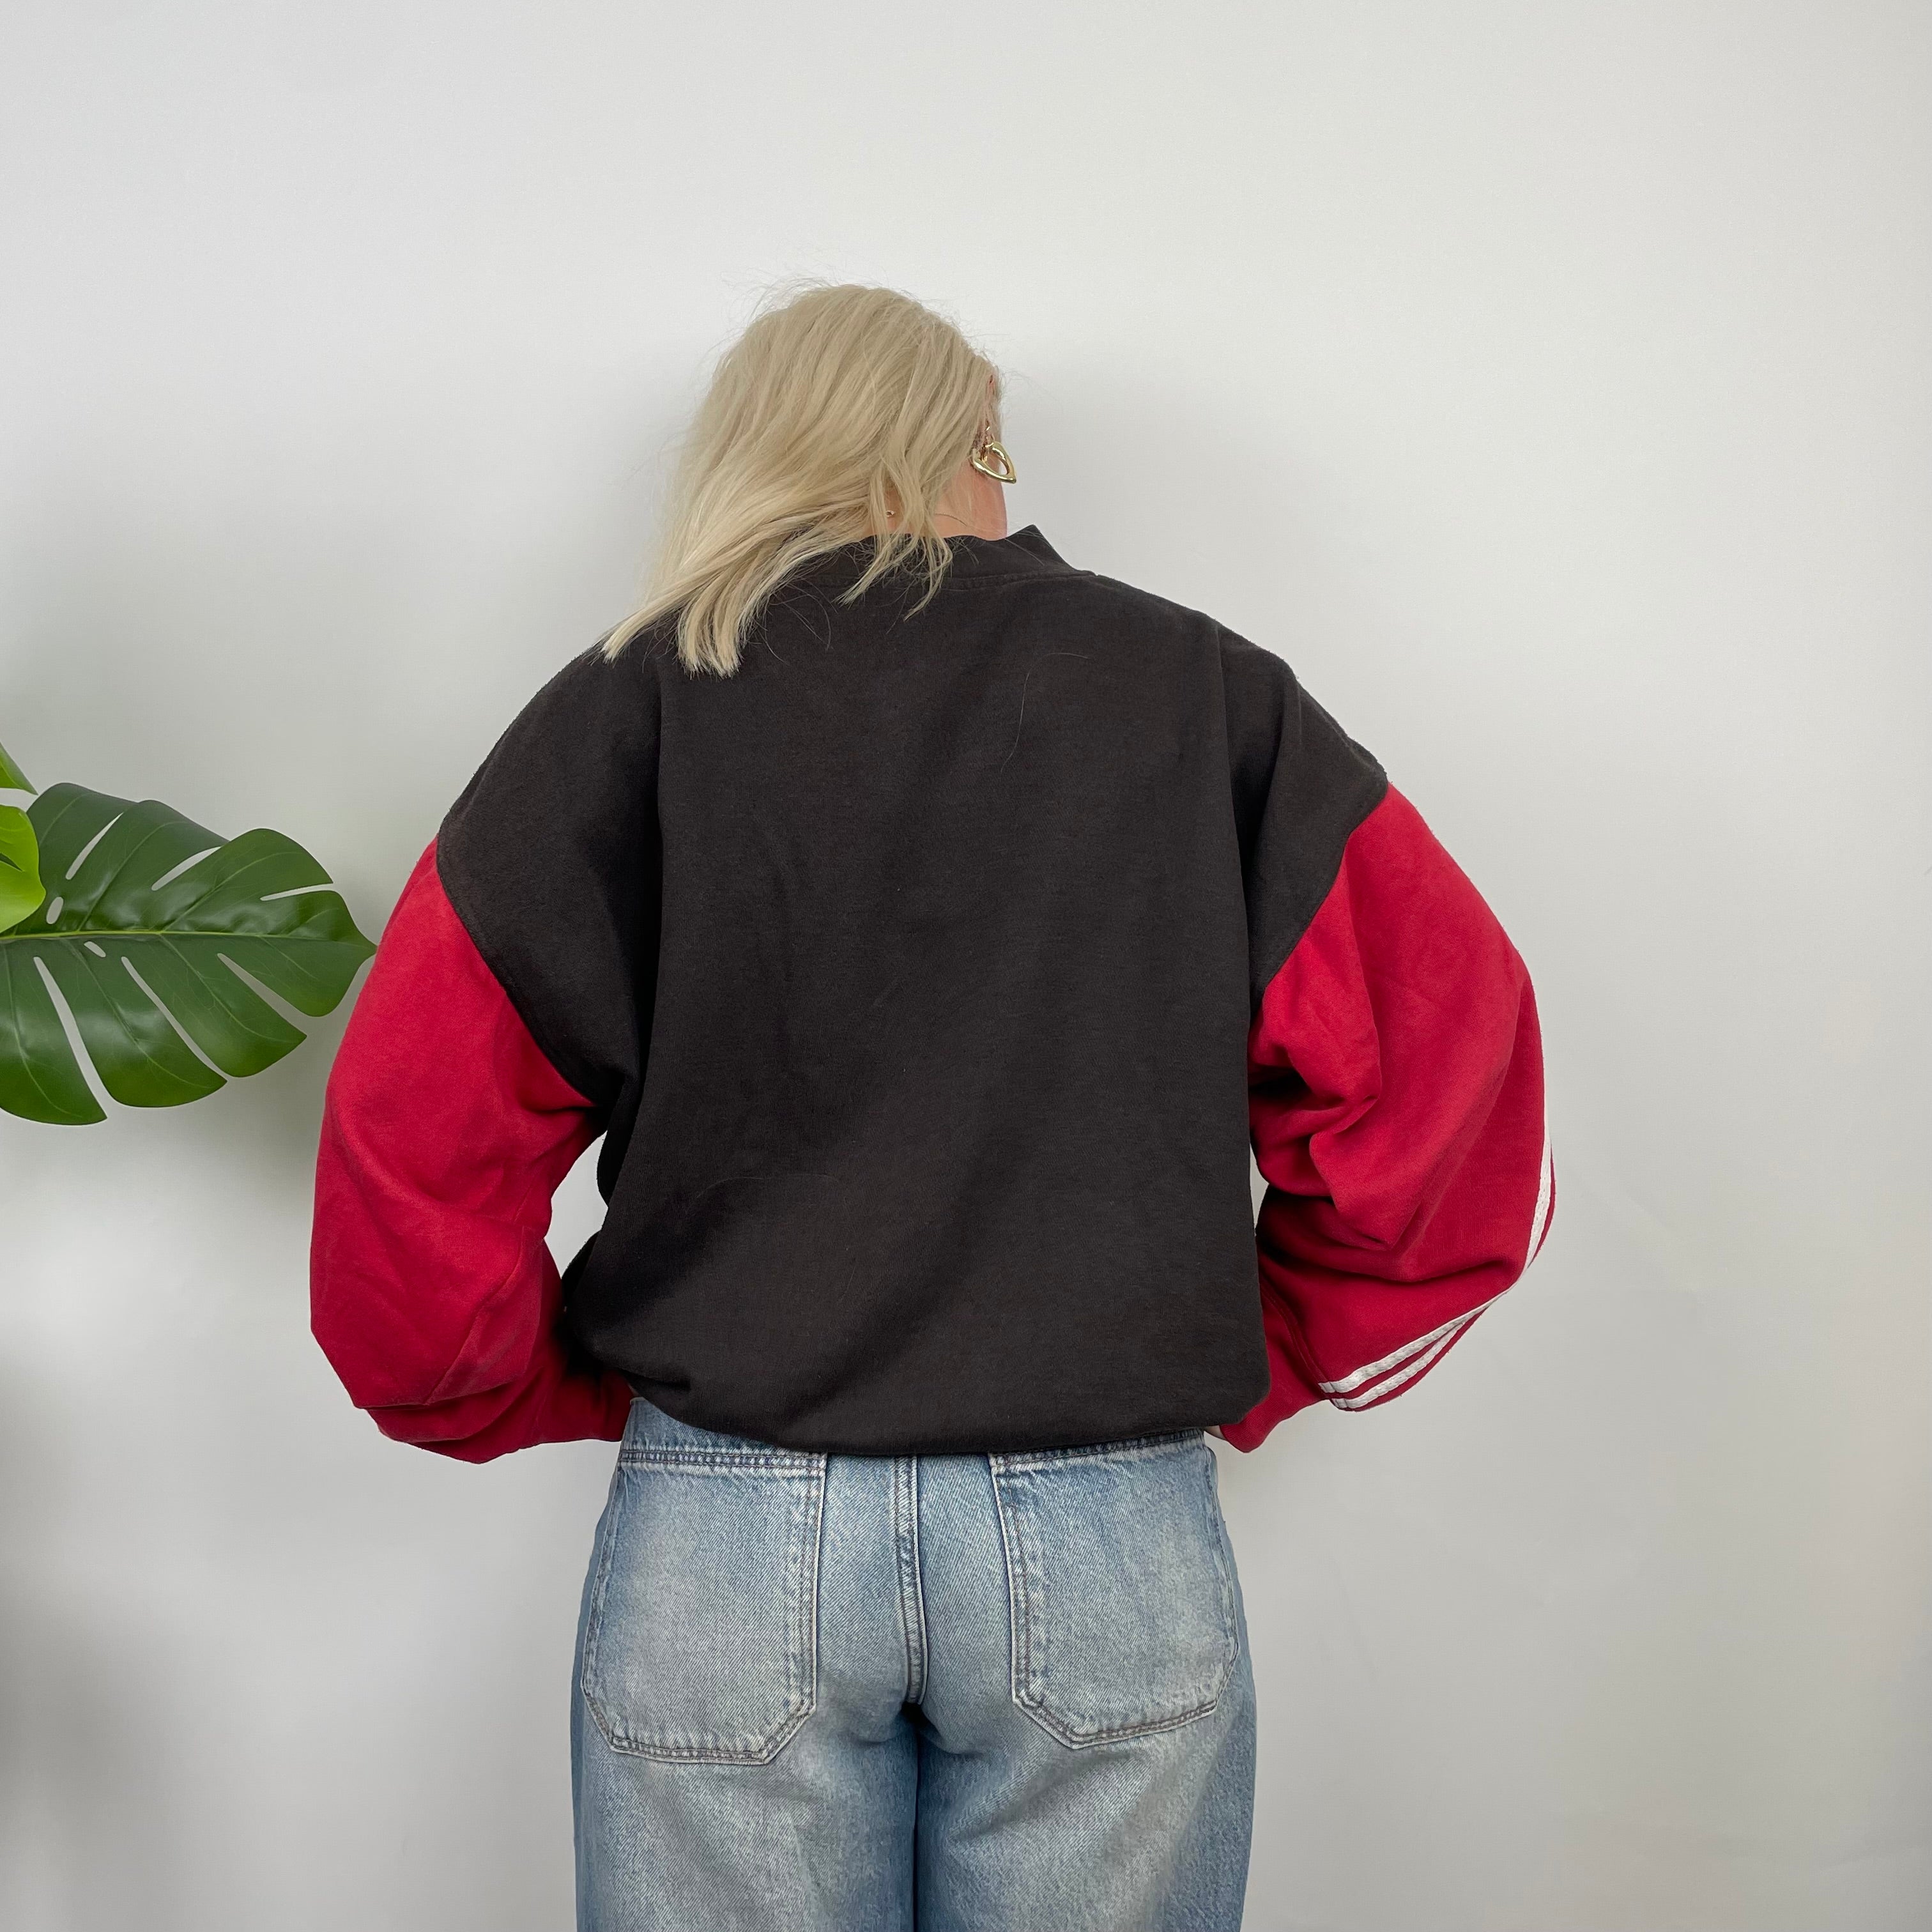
<point>913,1694</point>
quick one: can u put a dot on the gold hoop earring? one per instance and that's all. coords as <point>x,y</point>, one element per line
<point>1005,473</point>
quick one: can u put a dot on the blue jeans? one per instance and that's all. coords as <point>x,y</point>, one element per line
<point>911,1693</point>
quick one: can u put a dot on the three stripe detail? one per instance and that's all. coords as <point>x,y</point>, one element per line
<point>1375,1382</point>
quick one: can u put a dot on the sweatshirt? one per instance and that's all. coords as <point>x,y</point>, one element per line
<point>929,982</point>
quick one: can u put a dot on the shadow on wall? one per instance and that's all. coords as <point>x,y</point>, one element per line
<point>1116,470</point>
<point>260,1133</point>
<point>89,1823</point>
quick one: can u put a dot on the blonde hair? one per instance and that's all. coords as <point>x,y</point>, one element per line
<point>842,414</point>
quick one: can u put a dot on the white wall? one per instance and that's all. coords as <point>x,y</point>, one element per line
<point>1548,382</point>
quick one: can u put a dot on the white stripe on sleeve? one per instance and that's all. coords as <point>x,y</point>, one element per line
<point>1546,1191</point>
<point>1393,1360</point>
<point>1414,1368</point>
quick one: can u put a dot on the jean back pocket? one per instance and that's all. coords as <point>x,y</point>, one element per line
<point>700,1642</point>
<point>1122,1586</point>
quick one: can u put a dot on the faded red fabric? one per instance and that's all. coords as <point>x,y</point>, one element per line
<point>1396,1106</point>
<point>445,1133</point>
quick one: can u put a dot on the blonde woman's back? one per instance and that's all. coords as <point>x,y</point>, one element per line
<point>930,928</point>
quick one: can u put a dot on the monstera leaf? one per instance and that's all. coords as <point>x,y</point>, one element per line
<point>151,928</point>
<point>20,888</point>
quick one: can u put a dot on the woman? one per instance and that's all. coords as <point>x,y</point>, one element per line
<point>928,926</point>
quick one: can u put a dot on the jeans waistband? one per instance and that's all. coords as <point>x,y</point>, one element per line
<point>649,1424</point>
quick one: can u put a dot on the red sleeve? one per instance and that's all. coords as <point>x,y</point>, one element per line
<point>1396,1098</point>
<point>445,1133</point>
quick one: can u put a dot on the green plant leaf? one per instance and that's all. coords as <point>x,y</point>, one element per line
<point>20,888</point>
<point>152,922</point>
<point>12,778</point>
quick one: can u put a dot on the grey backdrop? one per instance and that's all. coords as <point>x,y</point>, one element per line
<point>1548,383</point>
